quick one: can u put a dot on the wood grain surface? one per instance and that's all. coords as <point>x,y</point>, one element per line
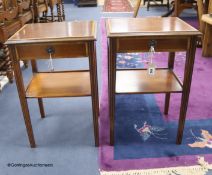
<point>62,84</point>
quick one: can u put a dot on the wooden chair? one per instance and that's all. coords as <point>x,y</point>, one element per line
<point>13,15</point>
<point>181,5</point>
<point>40,10</point>
<point>210,7</point>
<point>137,7</point>
<point>9,25</point>
<point>60,10</point>
<point>155,1</point>
<point>5,63</point>
<point>203,8</point>
<point>148,1</point>
<point>26,13</point>
<point>178,6</point>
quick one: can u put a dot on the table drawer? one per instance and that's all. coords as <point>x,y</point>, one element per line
<point>60,50</point>
<point>142,44</point>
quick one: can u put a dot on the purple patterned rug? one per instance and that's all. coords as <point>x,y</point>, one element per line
<point>146,140</point>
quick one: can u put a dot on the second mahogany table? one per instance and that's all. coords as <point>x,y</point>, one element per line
<point>61,40</point>
<point>137,35</point>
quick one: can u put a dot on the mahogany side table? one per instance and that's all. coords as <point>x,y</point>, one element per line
<point>137,35</point>
<point>61,40</point>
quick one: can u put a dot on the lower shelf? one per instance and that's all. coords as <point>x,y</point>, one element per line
<point>59,84</point>
<point>139,82</point>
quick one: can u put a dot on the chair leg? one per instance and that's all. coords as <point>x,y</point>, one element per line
<point>148,5</point>
<point>168,5</point>
<point>37,18</point>
<point>52,13</point>
<point>63,10</point>
<point>9,67</point>
<point>136,9</point>
<point>10,75</point>
<point>25,63</point>
<point>58,12</point>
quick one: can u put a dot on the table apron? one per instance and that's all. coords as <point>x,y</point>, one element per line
<point>142,44</point>
<point>61,50</point>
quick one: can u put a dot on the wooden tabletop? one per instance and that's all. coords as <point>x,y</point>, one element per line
<point>150,26</point>
<point>207,18</point>
<point>57,31</point>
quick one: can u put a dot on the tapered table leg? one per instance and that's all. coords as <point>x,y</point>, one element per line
<point>190,57</point>
<point>112,85</point>
<point>167,97</point>
<point>22,97</point>
<point>94,89</point>
<point>40,100</point>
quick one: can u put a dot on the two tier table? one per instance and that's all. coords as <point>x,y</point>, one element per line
<point>170,34</point>
<point>60,40</point>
